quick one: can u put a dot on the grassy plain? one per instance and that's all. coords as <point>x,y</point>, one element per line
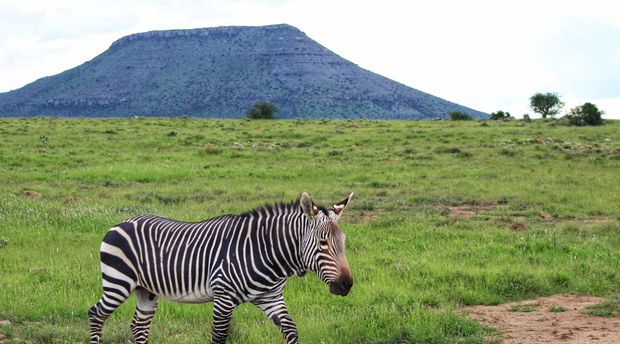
<point>445,214</point>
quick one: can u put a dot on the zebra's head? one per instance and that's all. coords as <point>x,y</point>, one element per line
<point>323,245</point>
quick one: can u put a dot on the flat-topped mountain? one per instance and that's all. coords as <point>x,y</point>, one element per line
<point>220,72</point>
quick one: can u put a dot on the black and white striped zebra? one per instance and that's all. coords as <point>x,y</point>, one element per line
<point>228,259</point>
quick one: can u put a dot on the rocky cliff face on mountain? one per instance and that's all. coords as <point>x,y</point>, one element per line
<point>220,72</point>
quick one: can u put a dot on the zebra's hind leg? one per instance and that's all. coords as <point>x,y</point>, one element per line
<point>145,310</point>
<point>97,314</point>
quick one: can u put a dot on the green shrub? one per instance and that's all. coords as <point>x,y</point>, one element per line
<point>586,114</point>
<point>460,116</point>
<point>262,110</point>
<point>499,115</point>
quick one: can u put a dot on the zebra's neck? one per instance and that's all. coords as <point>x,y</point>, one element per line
<point>280,239</point>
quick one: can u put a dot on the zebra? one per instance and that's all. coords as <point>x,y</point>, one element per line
<point>228,259</point>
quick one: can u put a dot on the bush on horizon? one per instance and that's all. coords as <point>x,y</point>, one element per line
<point>262,110</point>
<point>460,116</point>
<point>499,115</point>
<point>586,114</point>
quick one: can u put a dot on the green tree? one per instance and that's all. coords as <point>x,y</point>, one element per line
<point>586,114</point>
<point>546,104</point>
<point>262,110</point>
<point>501,115</point>
<point>460,116</point>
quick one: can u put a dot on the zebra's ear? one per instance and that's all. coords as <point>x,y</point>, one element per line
<point>308,207</point>
<point>339,208</point>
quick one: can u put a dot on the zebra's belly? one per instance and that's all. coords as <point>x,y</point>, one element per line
<point>191,296</point>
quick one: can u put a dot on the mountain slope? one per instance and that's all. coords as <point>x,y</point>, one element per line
<point>220,72</point>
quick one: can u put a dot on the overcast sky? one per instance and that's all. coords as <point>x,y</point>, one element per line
<point>487,55</point>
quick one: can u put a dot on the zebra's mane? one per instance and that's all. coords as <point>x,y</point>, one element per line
<point>271,209</point>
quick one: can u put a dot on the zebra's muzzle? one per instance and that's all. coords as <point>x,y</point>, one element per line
<point>341,286</point>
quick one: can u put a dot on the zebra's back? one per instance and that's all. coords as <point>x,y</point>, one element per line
<point>172,259</point>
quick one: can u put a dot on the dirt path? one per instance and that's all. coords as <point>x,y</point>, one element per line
<point>534,323</point>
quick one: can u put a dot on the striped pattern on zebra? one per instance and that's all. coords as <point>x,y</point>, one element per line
<point>228,259</point>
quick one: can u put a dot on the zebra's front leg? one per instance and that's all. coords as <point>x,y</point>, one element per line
<point>222,313</point>
<point>275,308</point>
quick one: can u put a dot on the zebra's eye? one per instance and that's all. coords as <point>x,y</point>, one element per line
<point>323,242</point>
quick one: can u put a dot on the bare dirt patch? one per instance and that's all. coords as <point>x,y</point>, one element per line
<point>519,226</point>
<point>538,324</point>
<point>31,193</point>
<point>73,200</point>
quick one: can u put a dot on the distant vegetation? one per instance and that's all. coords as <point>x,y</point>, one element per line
<point>546,104</point>
<point>445,214</point>
<point>549,104</point>
<point>586,114</point>
<point>460,116</point>
<point>501,115</point>
<point>262,110</point>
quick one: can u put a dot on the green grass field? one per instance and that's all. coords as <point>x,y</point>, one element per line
<point>446,214</point>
